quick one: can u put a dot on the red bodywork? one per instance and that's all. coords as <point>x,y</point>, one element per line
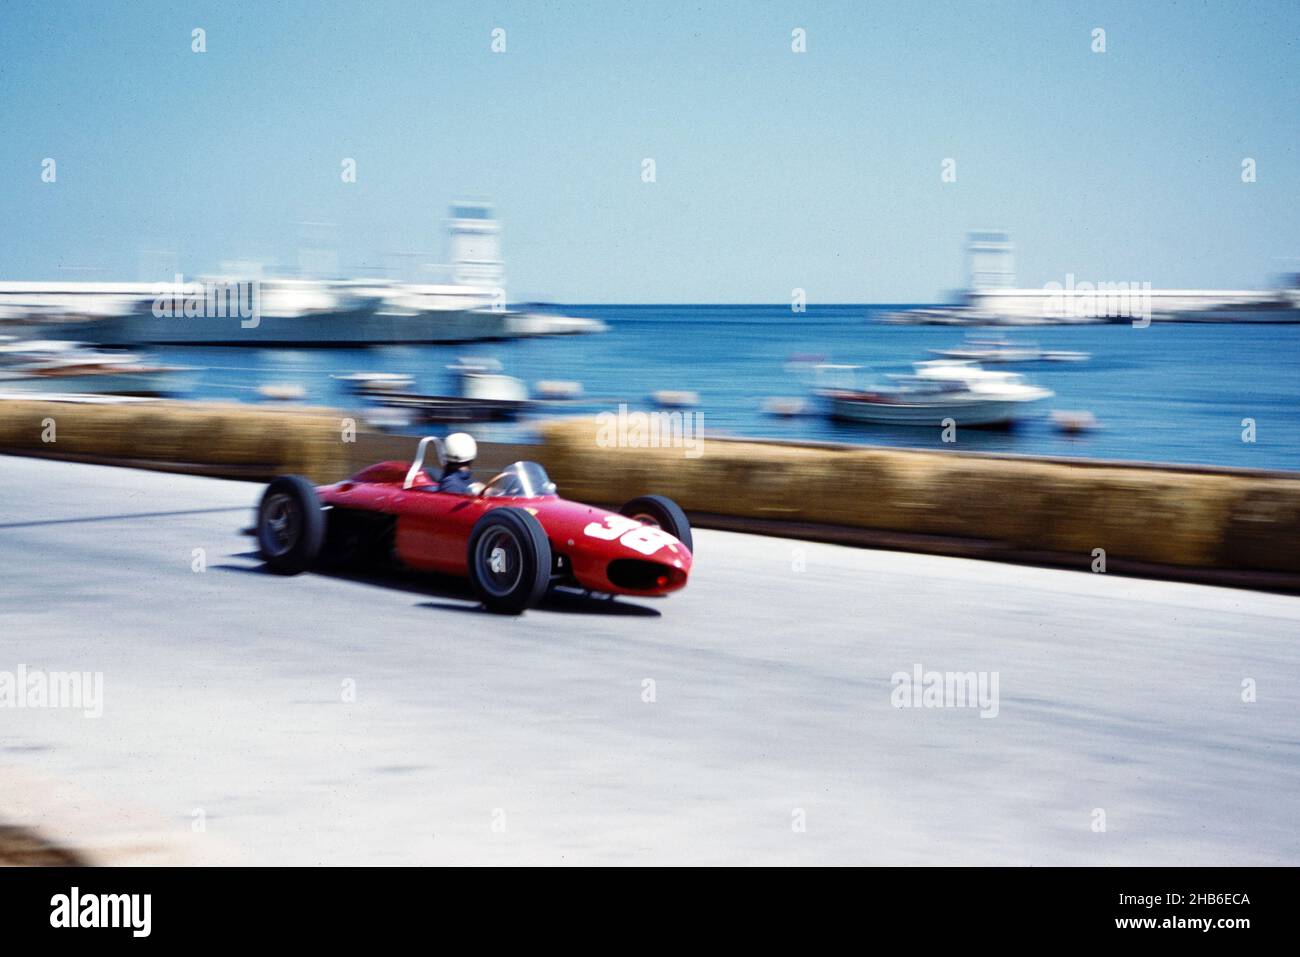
<point>433,530</point>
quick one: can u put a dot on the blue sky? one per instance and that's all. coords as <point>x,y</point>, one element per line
<point>774,169</point>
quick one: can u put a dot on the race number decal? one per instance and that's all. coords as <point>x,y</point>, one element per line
<point>612,527</point>
<point>646,539</point>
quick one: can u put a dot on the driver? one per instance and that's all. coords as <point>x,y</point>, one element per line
<point>458,453</point>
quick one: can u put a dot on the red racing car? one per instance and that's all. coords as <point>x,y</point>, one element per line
<point>514,540</point>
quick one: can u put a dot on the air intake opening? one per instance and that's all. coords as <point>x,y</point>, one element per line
<point>636,574</point>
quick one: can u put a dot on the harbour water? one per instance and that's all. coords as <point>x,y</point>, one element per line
<point>1171,392</point>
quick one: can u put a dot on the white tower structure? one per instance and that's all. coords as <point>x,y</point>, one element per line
<point>990,260</point>
<point>474,246</point>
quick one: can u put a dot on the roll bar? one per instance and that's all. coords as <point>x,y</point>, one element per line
<point>418,463</point>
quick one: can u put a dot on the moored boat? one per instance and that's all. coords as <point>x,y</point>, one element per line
<point>484,394</point>
<point>1004,351</point>
<point>938,390</point>
<point>377,383</point>
<point>72,367</point>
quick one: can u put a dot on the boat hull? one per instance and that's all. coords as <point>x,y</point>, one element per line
<point>348,328</point>
<point>162,383</point>
<point>989,412</point>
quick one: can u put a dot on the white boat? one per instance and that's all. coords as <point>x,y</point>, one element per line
<point>73,368</point>
<point>468,365</point>
<point>282,391</point>
<point>1007,351</point>
<point>558,390</point>
<point>675,398</point>
<point>481,378</point>
<point>1073,423</point>
<point>493,387</point>
<point>377,382</point>
<point>992,295</point>
<point>936,316</point>
<point>785,407</point>
<point>938,390</point>
<point>525,324</point>
<point>247,310</point>
<point>483,394</point>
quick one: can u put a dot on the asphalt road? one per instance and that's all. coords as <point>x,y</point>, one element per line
<point>771,736</point>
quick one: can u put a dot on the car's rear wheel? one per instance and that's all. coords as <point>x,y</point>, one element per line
<point>290,525</point>
<point>662,512</point>
<point>509,560</point>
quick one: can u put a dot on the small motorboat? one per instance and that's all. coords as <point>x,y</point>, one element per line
<point>59,366</point>
<point>389,417</point>
<point>1065,355</point>
<point>558,390</point>
<point>803,361</point>
<point>1073,423</point>
<point>370,383</point>
<point>282,391</point>
<point>482,396</point>
<point>937,390</point>
<point>525,324</point>
<point>413,406</point>
<point>994,351</point>
<point>675,398</point>
<point>940,316</point>
<point>473,365</point>
<point>785,407</point>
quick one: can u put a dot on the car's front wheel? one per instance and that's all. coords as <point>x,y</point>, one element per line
<point>290,525</point>
<point>509,560</point>
<point>664,513</point>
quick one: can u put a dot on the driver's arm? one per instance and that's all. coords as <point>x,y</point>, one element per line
<point>458,482</point>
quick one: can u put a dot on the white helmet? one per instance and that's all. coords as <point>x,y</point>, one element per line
<point>459,448</point>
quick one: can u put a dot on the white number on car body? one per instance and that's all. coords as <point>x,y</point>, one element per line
<point>646,539</point>
<point>611,528</point>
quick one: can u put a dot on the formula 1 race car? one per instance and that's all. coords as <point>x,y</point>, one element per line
<point>514,540</point>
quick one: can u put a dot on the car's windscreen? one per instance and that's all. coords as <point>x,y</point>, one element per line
<point>521,480</point>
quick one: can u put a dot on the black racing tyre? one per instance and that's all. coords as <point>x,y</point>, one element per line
<point>290,525</point>
<point>509,560</point>
<point>664,512</point>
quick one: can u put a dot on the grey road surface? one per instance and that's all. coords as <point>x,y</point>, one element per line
<point>749,719</point>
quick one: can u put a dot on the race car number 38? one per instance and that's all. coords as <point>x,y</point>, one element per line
<point>646,539</point>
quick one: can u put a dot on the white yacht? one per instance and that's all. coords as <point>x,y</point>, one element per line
<point>977,349</point>
<point>934,391</point>
<point>524,324</point>
<point>57,366</point>
<point>248,311</point>
<point>377,383</point>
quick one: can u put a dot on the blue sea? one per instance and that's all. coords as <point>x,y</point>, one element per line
<point>1171,392</point>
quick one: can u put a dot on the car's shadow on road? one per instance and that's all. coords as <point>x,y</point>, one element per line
<point>447,587</point>
<point>579,603</point>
